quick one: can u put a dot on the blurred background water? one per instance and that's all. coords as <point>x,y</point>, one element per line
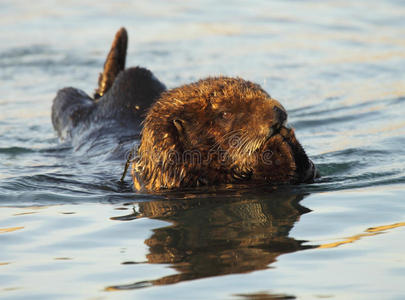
<point>69,230</point>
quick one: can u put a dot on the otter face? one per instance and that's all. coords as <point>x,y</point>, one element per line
<point>215,131</point>
<point>242,124</point>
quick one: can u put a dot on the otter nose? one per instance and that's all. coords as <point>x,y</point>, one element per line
<point>281,114</point>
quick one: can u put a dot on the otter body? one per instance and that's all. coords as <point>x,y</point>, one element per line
<point>115,117</point>
<point>216,131</point>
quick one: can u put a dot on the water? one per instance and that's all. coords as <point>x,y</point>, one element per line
<point>69,230</point>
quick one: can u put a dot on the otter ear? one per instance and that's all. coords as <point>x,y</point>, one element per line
<point>181,131</point>
<point>179,124</point>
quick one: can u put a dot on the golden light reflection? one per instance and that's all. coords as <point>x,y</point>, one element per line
<point>369,232</point>
<point>33,207</point>
<point>10,229</point>
<point>11,289</point>
<point>386,227</point>
<point>25,213</point>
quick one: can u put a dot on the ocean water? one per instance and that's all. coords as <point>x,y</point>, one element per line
<point>69,230</point>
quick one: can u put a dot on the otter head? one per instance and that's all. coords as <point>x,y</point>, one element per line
<point>215,131</point>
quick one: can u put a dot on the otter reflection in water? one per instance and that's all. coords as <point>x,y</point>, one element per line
<point>216,236</point>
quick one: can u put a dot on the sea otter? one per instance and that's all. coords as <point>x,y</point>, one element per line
<point>219,130</point>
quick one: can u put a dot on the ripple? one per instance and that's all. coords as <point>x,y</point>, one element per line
<point>357,152</point>
<point>336,168</point>
<point>42,56</point>
<point>331,120</point>
<point>25,51</point>
<point>319,110</point>
<point>16,150</point>
<point>398,100</point>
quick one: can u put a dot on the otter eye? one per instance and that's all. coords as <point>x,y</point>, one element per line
<point>225,115</point>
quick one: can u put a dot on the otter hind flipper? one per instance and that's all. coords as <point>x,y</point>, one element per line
<point>114,63</point>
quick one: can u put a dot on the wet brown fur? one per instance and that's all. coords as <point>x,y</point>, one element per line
<point>215,131</point>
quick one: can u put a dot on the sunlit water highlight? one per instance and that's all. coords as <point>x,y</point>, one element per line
<point>69,230</point>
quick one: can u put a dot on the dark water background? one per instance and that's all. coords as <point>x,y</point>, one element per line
<point>69,230</point>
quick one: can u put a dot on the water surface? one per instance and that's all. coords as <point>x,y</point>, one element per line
<point>68,229</point>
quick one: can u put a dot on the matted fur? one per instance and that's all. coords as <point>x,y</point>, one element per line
<point>216,131</point>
